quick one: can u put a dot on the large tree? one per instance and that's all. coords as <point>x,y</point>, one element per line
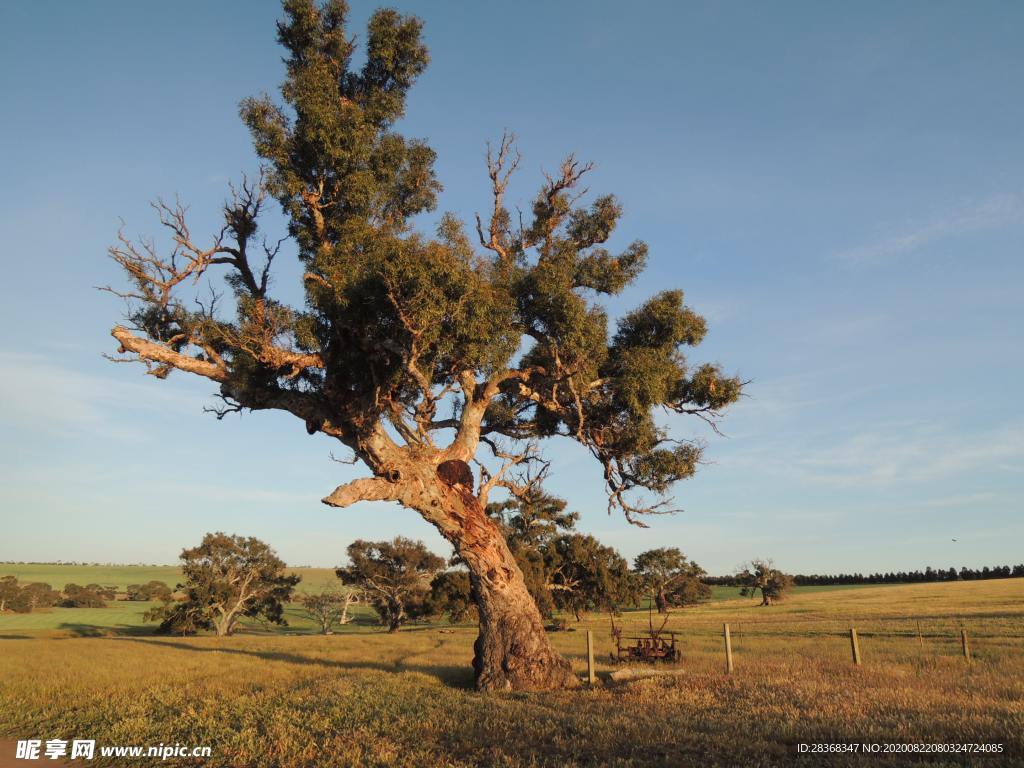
<point>394,575</point>
<point>227,578</point>
<point>670,579</point>
<point>408,348</point>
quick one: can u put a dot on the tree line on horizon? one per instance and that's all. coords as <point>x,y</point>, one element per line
<point>929,574</point>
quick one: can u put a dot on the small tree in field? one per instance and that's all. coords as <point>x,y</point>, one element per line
<point>394,575</point>
<point>329,607</point>
<point>226,578</point>
<point>762,576</point>
<point>423,353</point>
<point>151,590</point>
<point>77,596</point>
<point>670,579</point>
<point>8,591</point>
<point>586,575</point>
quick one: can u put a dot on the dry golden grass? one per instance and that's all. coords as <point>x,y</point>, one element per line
<point>406,699</point>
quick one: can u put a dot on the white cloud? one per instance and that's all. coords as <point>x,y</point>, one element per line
<point>905,455</point>
<point>40,393</point>
<point>989,213</point>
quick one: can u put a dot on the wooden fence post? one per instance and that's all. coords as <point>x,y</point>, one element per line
<point>591,676</point>
<point>855,646</point>
<point>965,645</point>
<point>728,648</point>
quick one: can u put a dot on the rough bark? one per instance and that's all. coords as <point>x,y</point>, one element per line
<point>512,651</point>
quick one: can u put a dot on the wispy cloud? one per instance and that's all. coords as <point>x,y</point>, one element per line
<point>39,392</point>
<point>907,456</point>
<point>988,213</point>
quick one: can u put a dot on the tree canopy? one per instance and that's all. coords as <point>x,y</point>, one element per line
<point>762,576</point>
<point>670,578</point>
<point>394,575</point>
<point>226,578</point>
<point>586,575</point>
<point>395,321</point>
<point>329,607</point>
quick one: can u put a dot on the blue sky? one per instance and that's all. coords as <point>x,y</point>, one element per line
<point>837,187</point>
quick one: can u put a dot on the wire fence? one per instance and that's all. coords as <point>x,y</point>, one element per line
<point>858,640</point>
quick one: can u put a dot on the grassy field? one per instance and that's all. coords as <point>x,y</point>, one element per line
<point>57,575</point>
<point>367,698</point>
<point>121,617</point>
<point>126,617</point>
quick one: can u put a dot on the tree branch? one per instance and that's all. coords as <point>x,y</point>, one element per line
<point>364,489</point>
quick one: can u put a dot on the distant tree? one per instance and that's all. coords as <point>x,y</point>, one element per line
<point>533,519</point>
<point>398,328</point>
<point>226,578</point>
<point>762,576</point>
<point>35,595</point>
<point>451,593</point>
<point>329,607</point>
<point>151,590</point>
<point>77,596</point>
<point>394,575</point>
<point>586,575</point>
<point>670,579</point>
<point>8,591</point>
<point>105,592</point>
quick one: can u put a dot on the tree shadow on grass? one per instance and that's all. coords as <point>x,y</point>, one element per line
<point>454,676</point>
<point>15,637</point>
<point>90,630</point>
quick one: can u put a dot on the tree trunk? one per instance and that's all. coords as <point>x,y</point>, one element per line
<point>661,601</point>
<point>512,651</point>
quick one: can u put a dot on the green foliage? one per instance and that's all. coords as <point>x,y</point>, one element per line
<point>227,577</point>
<point>151,590</point>
<point>762,576</point>
<point>530,524</point>
<point>396,322</point>
<point>394,575</point>
<point>588,576</point>
<point>670,579</point>
<point>451,594</point>
<point>8,591</point>
<point>33,595</point>
<point>328,608</point>
<point>90,596</point>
